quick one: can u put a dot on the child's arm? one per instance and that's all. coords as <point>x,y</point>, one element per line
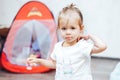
<point>99,45</point>
<point>44,62</point>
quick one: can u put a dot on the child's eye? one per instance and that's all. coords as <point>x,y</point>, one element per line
<point>72,27</point>
<point>63,28</point>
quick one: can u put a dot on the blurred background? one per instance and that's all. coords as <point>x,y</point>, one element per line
<point>101,17</point>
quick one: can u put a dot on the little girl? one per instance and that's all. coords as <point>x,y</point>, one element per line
<point>72,57</point>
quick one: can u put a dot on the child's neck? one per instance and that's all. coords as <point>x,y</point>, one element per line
<point>67,44</point>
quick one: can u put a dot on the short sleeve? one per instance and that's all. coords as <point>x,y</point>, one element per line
<point>53,54</point>
<point>87,47</point>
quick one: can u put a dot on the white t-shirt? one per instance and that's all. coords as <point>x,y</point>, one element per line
<point>73,62</point>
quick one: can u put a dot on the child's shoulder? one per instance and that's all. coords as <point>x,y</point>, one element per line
<point>85,42</point>
<point>59,43</point>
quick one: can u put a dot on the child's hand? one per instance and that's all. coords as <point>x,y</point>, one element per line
<point>84,36</point>
<point>32,61</point>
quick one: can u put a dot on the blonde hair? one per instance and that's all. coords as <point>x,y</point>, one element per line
<point>66,10</point>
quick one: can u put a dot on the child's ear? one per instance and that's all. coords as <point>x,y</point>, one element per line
<point>82,28</point>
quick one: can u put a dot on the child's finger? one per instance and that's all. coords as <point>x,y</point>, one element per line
<point>86,37</point>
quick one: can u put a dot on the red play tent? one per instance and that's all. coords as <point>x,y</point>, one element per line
<point>33,31</point>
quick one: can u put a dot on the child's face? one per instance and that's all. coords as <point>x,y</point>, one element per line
<point>70,28</point>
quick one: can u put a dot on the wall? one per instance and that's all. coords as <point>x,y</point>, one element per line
<point>101,17</point>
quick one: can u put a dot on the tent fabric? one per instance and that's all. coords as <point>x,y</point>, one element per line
<point>32,33</point>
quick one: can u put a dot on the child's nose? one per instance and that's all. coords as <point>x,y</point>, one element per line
<point>68,31</point>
